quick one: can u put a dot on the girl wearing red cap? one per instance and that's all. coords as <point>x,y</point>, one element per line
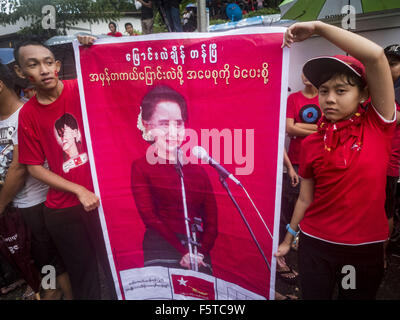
<point>340,211</point>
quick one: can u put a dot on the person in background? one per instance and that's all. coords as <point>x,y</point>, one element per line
<point>302,115</point>
<point>129,29</point>
<point>21,190</point>
<point>392,53</point>
<point>147,16</point>
<point>285,272</point>
<point>113,30</point>
<point>29,92</point>
<point>173,15</point>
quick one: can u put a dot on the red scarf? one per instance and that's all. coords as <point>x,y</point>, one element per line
<point>346,132</point>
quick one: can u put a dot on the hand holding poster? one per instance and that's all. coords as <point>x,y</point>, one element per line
<point>171,230</point>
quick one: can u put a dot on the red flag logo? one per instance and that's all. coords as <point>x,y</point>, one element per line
<point>78,161</point>
<point>193,287</point>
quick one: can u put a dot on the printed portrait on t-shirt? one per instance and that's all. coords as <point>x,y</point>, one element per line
<point>69,138</point>
<point>6,150</point>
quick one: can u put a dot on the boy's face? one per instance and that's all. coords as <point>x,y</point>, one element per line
<point>394,63</point>
<point>129,29</point>
<point>338,99</point>
<point>38,65</point>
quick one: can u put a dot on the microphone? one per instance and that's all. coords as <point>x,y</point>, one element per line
<point>179,161</point>
<point>201,153</point>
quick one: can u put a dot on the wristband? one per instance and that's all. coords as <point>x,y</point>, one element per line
<point>291,231</point>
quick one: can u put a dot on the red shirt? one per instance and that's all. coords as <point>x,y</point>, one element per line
<point>158,196</point>
<point>40,137</point>
<point>394,161</point>
<point>303,110</point>
<point>116,34</point>
<point>350,181</point>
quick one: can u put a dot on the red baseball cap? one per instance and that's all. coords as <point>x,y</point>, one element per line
<point>320,69</point>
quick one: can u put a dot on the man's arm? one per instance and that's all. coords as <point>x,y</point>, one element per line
<point>14,181</point>
<point>299,129</point>
<point>87,198</point>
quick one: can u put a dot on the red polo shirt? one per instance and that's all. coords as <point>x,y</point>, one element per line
<point>350,181</point>
<point>302,110</point>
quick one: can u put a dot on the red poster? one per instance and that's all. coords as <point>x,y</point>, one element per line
<point>155,109</point>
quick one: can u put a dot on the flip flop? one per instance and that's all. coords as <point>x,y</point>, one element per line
<point>29,294</point>
<point>290,297</point>
<point>291,280</point>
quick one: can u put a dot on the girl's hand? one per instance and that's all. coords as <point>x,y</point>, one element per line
<point>86,40</point>
<point>299,32</point>
<point>283,250</point>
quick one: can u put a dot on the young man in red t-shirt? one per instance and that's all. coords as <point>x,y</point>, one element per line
<point>70,200</point>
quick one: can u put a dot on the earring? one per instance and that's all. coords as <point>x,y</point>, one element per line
<point>147,136</point>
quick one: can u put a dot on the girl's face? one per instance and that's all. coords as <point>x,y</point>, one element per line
<point>167,127</point>
<point>338,99</point>
<point>111,27</point>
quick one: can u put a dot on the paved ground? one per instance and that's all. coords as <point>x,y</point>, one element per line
<point>389,289</point>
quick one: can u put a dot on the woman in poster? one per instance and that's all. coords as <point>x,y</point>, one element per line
<point>158,192</point>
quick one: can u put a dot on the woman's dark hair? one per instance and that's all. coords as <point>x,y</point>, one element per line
<point>349,77</point>
<point>6,77</point>
<point>66,119</point>
<point>113,23</point>
<point>69,120</point>
<point>159,94</point>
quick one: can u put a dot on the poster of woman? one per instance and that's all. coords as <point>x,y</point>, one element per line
<point>172,230</point>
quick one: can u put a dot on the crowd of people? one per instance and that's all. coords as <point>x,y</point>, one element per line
<point>339,192</point>
<point>175,21</point>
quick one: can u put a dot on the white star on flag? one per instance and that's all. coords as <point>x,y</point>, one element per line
<point>182,282</point>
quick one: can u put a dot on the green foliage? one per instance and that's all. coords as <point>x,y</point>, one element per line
<point>159,26</point>
<point>68,13</point>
